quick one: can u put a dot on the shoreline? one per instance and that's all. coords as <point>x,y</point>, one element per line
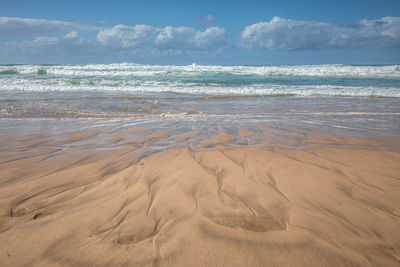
<point>139,196</point>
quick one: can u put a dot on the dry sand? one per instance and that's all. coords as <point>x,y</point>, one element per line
<point>333,202</point>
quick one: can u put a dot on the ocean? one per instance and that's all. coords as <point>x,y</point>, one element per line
<point>330,99</point>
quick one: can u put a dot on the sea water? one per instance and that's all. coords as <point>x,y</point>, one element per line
<point>328,98</point>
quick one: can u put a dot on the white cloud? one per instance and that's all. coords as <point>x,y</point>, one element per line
<point>168,38</point>
<point>68,45</point>
<point>71,35</point>
<point>211,38</point>
<point>124,37</point>
<point>174,37</point>
<point>286,34</point>
<point>208,18</point>
<point>21,26</point>
<point>72,41</point>
<point>45,40</point>
<point>187,38</point>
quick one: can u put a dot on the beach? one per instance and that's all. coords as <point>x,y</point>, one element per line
<point>112,197</point>
<point>138,165</point>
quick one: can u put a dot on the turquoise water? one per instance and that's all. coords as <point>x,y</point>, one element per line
<point>308,80</point>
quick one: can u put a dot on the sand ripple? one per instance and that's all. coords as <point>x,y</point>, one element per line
<point>323,202</point>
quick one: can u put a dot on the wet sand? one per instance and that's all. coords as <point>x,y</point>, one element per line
<point>80,199</point>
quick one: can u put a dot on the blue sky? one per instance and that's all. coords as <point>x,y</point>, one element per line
<point>205,32</point>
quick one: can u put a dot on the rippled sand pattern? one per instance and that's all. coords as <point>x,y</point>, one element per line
<point>240,197</point>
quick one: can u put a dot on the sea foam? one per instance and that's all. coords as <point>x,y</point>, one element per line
<point>302,80</point>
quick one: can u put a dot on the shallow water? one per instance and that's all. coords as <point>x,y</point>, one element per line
<point>328,99</point>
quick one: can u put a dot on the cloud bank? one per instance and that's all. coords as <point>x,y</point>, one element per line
<point>47,39</point>
<point>21,26</point>
<point>182,38</point>
<point>187,38</point>
<point>34,39</point>
<point>124,37</point>
<point>286,34</point>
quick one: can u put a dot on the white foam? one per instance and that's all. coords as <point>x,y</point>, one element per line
<point>193,88</point>
<point>127,77</point>
<point>129,69</point>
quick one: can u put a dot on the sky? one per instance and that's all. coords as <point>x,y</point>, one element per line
<point>202,32</point>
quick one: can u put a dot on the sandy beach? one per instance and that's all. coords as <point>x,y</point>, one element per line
<point>228,201</point>
<point>200,133</point>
